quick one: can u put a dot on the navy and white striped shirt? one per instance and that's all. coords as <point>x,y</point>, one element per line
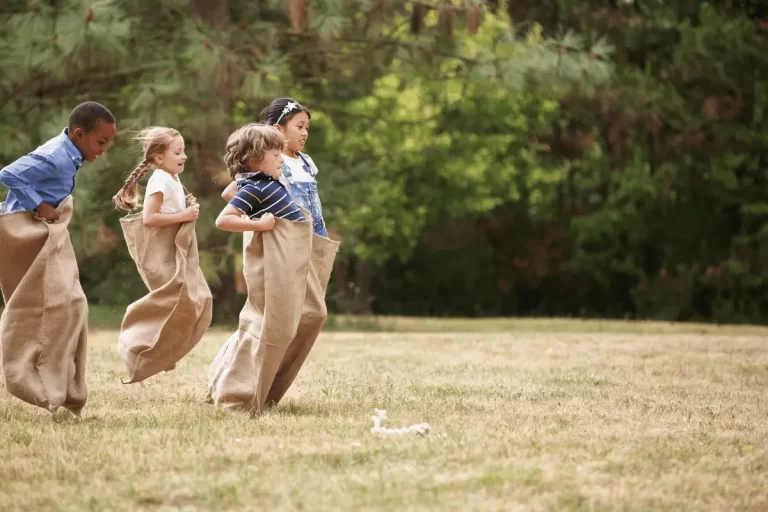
<point>258,193</point>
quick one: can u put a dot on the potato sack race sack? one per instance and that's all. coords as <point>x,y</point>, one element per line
<point>163,326</point>
<point>44,327</point>
<point>287,272</point>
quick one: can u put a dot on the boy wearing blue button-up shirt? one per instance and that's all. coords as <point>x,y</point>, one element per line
<point>41,180</point>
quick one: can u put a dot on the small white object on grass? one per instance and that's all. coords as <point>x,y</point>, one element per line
<point>380,415</point>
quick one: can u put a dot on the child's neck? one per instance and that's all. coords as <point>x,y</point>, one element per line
<point>271,175</point>
<point>173,175</point>
<point>291,154</point>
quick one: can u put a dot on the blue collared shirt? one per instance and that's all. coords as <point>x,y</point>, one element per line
<point>45,175</point>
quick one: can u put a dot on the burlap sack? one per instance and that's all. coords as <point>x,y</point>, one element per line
<point>163,326</point>
<point>287,271</point>
<point>44,327</point>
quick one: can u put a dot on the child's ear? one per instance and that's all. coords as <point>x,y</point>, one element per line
<point>77,133</point>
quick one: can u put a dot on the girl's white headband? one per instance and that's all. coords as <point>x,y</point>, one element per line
<point>291,106</point>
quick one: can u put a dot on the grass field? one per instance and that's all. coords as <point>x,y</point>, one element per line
<point>525,415</point>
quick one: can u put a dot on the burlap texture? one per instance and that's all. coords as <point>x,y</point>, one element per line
<point>287,272</point>
<point>166,324</point>
<point>44,327</point>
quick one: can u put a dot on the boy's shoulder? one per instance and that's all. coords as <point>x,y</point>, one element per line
<point>55,151</point>
<point>257,186</point>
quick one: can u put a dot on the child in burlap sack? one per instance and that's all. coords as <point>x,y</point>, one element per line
<point>286,268</point>
<point>299,170</point>
<point>163,326</point>
<point>44,327</point>
<point>255,162</point>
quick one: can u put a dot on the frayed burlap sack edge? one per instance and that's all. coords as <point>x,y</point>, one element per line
<point>287,272</point>
<point>162,327</point>
<point>44,326</point>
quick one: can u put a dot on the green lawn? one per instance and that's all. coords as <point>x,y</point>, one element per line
<point>539,415</point>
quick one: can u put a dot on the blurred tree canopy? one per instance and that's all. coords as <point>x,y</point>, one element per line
<point>567,157</point>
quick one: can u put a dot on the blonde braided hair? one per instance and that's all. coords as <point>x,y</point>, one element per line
<point>127,198</point>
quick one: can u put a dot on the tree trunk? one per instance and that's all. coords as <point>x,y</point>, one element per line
<point>213,136</point>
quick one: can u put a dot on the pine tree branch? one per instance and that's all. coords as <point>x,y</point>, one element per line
<point>27,88</point>
<point>389,42</point>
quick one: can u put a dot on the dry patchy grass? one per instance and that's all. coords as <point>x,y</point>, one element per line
<point>658,420</point>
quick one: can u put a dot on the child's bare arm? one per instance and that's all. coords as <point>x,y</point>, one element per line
<point>232,219</point>
<point>154,219</point>
<point>229,192</point>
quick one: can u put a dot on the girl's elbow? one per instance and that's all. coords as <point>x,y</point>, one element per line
<point>152,220</point>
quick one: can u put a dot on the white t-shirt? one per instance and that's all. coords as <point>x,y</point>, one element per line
<point>174,199</point>
<point>297,169</point>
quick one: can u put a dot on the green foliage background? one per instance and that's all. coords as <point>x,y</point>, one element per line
<point>572,158</point>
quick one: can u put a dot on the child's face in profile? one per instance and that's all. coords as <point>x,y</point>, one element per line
<point>272,163</point>
<point>172,160</point>
<point>93,143</point>
<point>295,131</point>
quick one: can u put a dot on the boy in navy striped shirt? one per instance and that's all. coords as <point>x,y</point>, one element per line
<point>254,159</point>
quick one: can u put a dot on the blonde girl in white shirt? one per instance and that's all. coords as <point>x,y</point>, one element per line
<point>159,329</point>
<point>165,202</point>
